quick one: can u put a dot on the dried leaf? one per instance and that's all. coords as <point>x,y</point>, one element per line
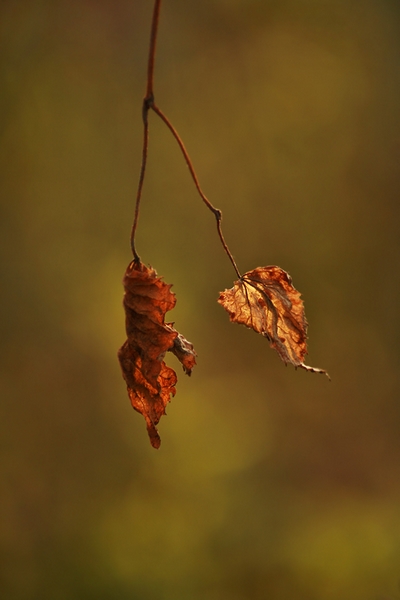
<point>150,382</point>
<point>265,300</point>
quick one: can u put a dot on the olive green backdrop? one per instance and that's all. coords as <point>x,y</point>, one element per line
<point>270,483</point>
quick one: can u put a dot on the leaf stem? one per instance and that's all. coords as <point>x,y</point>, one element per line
<point>216,211</point>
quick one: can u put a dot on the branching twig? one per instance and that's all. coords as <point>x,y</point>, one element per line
<point>148,103</point>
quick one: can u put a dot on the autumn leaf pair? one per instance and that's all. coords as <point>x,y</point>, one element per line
<point>263,300</point>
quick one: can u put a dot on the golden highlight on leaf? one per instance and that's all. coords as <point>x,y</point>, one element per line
<point>265,300</point>
<point>150,382</point>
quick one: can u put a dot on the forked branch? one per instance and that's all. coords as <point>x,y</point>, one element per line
<point>149,103</point>
<point>262,299</point>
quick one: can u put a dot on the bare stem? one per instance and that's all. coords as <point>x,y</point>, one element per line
<point>148,103</point>
<point>216,212</point>
<point>140,185</point>
<point>152,49</point>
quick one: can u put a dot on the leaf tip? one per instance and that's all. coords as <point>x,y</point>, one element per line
<point>155,440</point>
<point>314,370</point>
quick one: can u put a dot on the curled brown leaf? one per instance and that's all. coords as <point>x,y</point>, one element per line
<point>150,382</point>
<point>266,301</point>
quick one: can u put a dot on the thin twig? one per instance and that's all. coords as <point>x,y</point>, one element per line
<point>148,103</point>
<point>216,211</point>
<point>140,185</point>
<point>152,49</point>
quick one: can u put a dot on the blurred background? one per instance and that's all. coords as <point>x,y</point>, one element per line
<point>270,483</point>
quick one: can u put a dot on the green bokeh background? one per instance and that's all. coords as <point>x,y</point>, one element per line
<point>270,483</point>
